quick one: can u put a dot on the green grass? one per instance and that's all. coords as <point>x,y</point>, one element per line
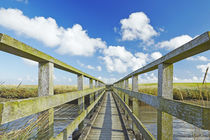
<point>181,91</point>
<point>8,92</point>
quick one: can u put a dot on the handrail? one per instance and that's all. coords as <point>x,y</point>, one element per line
<point>191,113</point>
<point>13,110</point>
<point>13,46</point>
<point>163,102</point>
<point>193,47</point>
<point>144,131</point>
<point>73,125</point>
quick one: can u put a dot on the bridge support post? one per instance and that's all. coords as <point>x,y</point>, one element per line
<point>91,95</point>
<point>135,105</point>
<point>165,90</point>
<point>96,85</point>
<point>123,94</point>
<point>81,101</point>
<point>45,88</point>
<point>126,97</point>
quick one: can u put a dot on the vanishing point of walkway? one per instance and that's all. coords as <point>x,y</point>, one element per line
<point>107,125</point>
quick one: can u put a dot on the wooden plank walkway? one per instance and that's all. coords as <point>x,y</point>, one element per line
<point>107,125</point>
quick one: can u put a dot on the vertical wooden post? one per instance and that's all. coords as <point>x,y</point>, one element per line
<point>120,86</point>
<point>96,85</point>
<point>81,102</point>
<point>165,90</point>
<point>135,104</point>
<point>92,94</point>
<point>121,93</point>
<point>45,83</point>
<point>126,95</point>
<point>45,88</point>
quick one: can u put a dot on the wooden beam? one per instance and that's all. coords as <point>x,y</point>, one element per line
<point>45,88</point>
<point>191,113</point>
<point>16,109</point>
<point>73,125</point>
<point>198,45</point>
<point>13,46</point>
<point>165,90</point>
<point>140,126</point>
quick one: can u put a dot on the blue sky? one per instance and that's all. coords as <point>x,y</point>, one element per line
<point>107,39</point>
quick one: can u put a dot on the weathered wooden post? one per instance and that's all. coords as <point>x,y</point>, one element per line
<point>81,101</point>
<point>91,87</point>
<point>122,93</point>
<point>165,90</point>
<point>135,104</point>
<point>96,85</point>
<point>121,86</point>
<point>126,95</point>
<point>45,88</point>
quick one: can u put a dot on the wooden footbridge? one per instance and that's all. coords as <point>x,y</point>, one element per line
<point>110,106</point>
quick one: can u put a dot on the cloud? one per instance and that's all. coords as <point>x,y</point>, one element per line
<point>108,80</point>
<point>156,55</point>
<point>71,41</point>
<point>99,68</point>
<point>174,42</point>
<point>29,62</point>
<point>203,67</point>
<point>148,78</point>
<point>90,67</point>
<point>198,58</point>
<point>118,59</point>
<point>137,27</point>
<point>161,29</point>
<point>25,1</point>
<point>188,80</point>
<point>76,41</point>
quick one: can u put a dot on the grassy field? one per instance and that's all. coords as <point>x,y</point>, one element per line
<point>181,91</point>
<point>8,92</point>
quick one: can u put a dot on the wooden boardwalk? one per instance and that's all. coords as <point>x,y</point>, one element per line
<point>107,125</point>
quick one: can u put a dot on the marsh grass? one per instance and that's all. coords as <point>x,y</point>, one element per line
<point>181,91</point>
<point>27,91</point>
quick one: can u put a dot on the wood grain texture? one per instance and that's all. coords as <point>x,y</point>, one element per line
<point>145,133</point>
<point>191,113</point>
<point>13,46</point>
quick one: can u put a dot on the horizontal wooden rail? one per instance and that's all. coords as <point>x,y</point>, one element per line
<point>145,133</point>
<point>13,110</point>
<point>73,125</point>
<point>196,46</point>
<point>13,46</point>
<point>191,113</point>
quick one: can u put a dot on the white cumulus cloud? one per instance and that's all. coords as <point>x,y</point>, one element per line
<point>137,27</point>
<point>72,41</point>
<point>198,58</point>
<point>156,55</point>
<point>99,68</point>
<point>174,42</point>
<point>25,1</point>
<point>118,59</point>
<point>90,67</point>
<point>108,80</point>
<point>76,41</point>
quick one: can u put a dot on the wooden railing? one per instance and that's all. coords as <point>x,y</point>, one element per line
<point>46,100</point>
<point>163,102</point>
